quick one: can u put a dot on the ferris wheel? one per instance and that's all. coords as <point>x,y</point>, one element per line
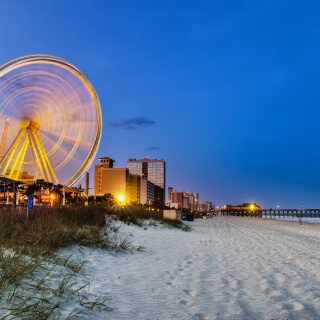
<point>50,120</point>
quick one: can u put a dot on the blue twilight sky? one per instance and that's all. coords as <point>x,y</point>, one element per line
<point>225,91</point>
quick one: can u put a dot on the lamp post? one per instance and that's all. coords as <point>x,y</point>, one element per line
<point>40,181</point>
<point>14,204</point>
<point>64,195</point>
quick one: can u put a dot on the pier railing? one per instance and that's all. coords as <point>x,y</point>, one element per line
<point>293,213</point>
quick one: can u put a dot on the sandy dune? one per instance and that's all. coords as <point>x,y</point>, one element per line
<point>225,268</point>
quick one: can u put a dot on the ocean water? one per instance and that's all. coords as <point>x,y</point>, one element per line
<point>294,219</point>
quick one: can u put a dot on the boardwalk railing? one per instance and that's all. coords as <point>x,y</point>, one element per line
<point>293,213</point>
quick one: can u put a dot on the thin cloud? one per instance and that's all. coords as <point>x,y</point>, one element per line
<point>132,123</point>
<point>152,148</point>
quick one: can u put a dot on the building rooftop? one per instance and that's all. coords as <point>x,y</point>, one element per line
<point>145,159</point>
<point>104,158</point>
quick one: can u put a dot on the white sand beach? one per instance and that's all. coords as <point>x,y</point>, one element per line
<point>224,268</point>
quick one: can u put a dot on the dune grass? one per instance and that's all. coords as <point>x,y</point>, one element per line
<point>30,288</point>
<point>35,281</point>
<point>45,229</point>
<point>29,261</point>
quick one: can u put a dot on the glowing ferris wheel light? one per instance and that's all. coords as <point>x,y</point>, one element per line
<point>55,120</point>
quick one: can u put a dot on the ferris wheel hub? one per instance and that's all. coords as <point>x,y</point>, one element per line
<point>24,122</point>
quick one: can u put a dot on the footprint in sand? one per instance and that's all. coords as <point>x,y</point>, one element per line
<point>189,293</point>
<point>201,316</point>
<point>296,306</point>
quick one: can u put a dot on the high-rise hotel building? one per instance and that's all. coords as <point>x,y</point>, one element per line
<point>152,170</point>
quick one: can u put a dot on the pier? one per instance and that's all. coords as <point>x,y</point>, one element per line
<point>273,213</point>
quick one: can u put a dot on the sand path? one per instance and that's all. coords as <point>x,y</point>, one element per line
<point>225,268</point>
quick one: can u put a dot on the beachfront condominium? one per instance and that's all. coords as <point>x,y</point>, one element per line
<point>152,170</point>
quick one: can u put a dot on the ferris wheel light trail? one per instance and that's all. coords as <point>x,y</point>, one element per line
<point>55,120</point>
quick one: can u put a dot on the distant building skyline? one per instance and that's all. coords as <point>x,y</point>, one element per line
<point>187,200</point>
<point>133,182</point>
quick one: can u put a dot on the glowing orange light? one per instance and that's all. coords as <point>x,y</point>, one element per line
<point>120,198</point>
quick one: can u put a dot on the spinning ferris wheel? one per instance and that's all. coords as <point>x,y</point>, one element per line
<point>50,118</point>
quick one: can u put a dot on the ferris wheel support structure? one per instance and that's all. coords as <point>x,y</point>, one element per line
<point>15,155</point>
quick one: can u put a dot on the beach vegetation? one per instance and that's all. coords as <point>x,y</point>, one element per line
<point>29,258</point>
<point>34,288</point>
<point>30,262</point>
